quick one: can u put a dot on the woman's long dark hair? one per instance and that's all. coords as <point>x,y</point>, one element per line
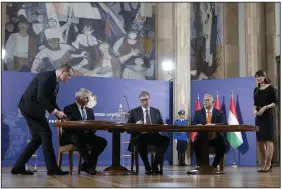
<point>262,73</point>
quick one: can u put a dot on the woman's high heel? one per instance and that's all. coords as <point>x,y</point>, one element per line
<point>261,169</point>
<point>269,169</point>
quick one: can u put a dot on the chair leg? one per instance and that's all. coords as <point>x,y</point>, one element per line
<point>60,160</point>
<point>79,163</point>
<point>132,161</point>
<point>136,161</point>
<point>70,161</point>
<point>222,163</point>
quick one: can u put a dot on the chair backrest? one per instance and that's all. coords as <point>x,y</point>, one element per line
<point>59,135</point>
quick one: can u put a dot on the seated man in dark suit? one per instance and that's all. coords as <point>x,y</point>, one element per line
<point>210,116</point>
<point>145,114</point>
<point>80,137</point>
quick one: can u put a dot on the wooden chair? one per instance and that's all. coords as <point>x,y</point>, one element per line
<point>70,149</point>
<point>134,157</point>
<point>221,163</point>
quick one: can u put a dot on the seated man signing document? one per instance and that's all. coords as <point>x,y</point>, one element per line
<point>80,137</point>
<point>145,114</point>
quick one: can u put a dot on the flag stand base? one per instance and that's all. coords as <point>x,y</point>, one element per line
<point>234,165</point>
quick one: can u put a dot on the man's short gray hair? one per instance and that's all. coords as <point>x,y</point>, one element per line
<point>144,93</point>
<point>209,96</point>
<point>66,68</point>
<point>82,92</point>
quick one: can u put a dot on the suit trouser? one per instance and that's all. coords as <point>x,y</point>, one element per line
<point>217,143</point>
<point>41,134</point>
<point>80,139</point>
<point>155,139</point>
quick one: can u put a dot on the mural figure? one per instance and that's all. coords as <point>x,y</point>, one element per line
<point>128,47</point>
<point>55,54</point>
<point>205,39</point>
<point>138,71</point>
<point>99,39</point>
<point>20,48</point>
<point>106,67</point>
<point>88,43</point>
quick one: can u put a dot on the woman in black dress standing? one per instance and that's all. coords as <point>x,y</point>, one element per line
<point>265,99</point>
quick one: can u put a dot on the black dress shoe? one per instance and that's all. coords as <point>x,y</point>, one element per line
<point>149,172</point>
<point>158,172</point>
<point>193,171</point>
<point>21,172</point>
<point>60,172</point>
<point>91,171</point>
<point>88,170</point>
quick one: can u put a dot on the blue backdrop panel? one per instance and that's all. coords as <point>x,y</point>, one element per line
<point>110,93</point>
<point>243,89</point>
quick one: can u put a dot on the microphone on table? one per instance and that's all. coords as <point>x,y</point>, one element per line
<point>127,103</point>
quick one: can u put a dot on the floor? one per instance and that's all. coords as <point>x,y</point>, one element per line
<point>174,176</point>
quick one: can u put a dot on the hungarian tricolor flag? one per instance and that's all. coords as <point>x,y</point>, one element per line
<point>235,138</point>
<point>198,107</point>
<point>217,104</point>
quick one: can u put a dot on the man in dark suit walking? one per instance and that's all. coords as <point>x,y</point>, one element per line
<point>145,114</point>
<point>209,116</point>
<point>37,102</point>
<point>80,137</point>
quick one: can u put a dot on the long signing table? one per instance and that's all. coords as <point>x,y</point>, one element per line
<point>117,128</point>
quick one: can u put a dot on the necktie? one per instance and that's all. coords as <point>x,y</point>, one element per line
<point>148,120</point>
<point>209,117</point>
<point>83,113</point>
<point>209,121</point>
<point>57,89</point>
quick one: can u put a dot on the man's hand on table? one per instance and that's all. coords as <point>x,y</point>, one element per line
<point>210,124</point>
<point>140,122</point>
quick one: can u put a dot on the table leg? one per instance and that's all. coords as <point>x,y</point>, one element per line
<point>116,168</point>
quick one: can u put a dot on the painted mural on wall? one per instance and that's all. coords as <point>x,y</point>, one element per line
<point>206,34</point>
<point>97,39</point>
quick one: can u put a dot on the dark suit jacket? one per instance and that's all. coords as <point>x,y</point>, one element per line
<point>73,114</point>
<point>40,95</point>
<point>137,115</point>
<point>218,118</point>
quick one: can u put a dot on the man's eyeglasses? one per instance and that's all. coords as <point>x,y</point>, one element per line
<point>144,100</point>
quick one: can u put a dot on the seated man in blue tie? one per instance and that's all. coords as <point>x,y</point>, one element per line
<point>181,138</point>
<point>80,137</point>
